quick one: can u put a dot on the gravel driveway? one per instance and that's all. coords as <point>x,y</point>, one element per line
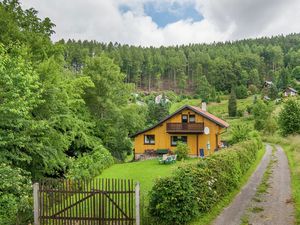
<point>275,206</point>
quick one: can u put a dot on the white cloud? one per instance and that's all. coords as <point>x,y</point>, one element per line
<point>223,20</point>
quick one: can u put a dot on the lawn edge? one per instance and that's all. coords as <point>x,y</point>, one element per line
<point>295,180</point>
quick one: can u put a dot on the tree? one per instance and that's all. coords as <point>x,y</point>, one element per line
<point>108,104</point>
<point>273,92</point>
<point>261,112</point>
<point>232,105</point>
<point>284,79</point>
<point>289,117</point>
<point>296,73</point>
<point>157,112</point>
<point>203,88</point>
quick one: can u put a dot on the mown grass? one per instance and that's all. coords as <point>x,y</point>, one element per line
<point>207,218</point>
<point>291,146</point>
<point>144,172</point>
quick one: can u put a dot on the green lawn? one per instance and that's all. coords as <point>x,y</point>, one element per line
<point>143,171</point>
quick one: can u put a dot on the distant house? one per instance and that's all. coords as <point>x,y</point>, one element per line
<point>194,126</point>
<point>268,84</point>
<point>161,99</point>
<point>290,92</point>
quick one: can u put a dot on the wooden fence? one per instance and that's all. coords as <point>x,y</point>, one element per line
<point>93,202</point>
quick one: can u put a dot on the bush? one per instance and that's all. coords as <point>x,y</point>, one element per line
<point>196,187</point>
<point>241,92</point>
<point>91,164</point>
<point>15,196</point>
<point>270,125</point>
<point>173,200</point>
<point>182,150</point>
<point>240,132</point>
<point>289,118</point>
<point>261,112</point>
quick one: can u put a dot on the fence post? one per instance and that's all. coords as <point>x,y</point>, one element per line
<point>36,207</point>
<point>137,203</point>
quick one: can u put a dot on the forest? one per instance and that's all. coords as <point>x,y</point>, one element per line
<point>198,68</point>
<point>66,105</point>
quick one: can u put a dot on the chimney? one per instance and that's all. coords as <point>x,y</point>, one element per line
<point>203,106</point>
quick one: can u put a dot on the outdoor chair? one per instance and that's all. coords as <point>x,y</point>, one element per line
<point>162,159</point>
<point>168,159</point>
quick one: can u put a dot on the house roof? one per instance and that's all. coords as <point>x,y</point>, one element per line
<point>197,110</point>
<point>291,89</point>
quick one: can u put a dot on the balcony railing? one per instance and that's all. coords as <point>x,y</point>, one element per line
<point>185,127</point>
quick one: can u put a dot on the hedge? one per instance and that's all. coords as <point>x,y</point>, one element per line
<point>90,165</point>
<point>194,188</point>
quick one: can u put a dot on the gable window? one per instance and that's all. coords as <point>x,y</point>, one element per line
<point>149,139</point>
<point>192,118</point>
<point>184,118</point>
<point>175,139</point>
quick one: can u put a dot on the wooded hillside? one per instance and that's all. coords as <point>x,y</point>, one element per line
<point>191,68</point>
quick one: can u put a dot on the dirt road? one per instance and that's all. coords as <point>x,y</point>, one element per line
<point>274,206</point>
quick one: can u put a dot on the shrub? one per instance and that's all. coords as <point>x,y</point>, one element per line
<point>241,92</point>
<point>182,150</point>
<point>261,112</point>
<point>240,132</point>
<point>240,113</point>
<point>195,187</point>
<point>172,200</point>
<point>91,164</point>
<point>289,118</point>
<point>15,196</point>
<point>270,125</point>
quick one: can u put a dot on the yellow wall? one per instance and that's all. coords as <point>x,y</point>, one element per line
<point>163,139</point>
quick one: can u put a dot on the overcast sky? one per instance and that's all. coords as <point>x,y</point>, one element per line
<point>168,22</point>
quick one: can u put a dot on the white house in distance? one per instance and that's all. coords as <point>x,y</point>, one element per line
<point>290,92</point>
<point>161,99</point>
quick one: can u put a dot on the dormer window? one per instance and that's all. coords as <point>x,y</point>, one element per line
<point>192,118</point>
<point>184,118</point>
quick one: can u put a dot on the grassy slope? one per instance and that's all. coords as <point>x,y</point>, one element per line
<point>217,209</point>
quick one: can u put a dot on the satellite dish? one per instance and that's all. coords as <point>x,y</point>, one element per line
<point>206,130</point>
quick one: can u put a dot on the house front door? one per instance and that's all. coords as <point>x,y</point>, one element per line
<point>201,152</point>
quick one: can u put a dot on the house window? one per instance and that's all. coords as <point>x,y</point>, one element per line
<point>149,139</point>
<point>184,118</point>
<point>192,119</point>
<point>175,139</point>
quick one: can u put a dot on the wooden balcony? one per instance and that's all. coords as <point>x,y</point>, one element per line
<point>185,128</point>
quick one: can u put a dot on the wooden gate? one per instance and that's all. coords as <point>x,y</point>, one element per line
<point>93,202</point>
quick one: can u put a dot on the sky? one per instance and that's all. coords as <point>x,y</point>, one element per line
<point>168,22</point>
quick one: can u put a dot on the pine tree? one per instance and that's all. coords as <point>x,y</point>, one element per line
<point>232,106</point>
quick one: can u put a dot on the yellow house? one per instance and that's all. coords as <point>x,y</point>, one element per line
<point>192,125</point>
